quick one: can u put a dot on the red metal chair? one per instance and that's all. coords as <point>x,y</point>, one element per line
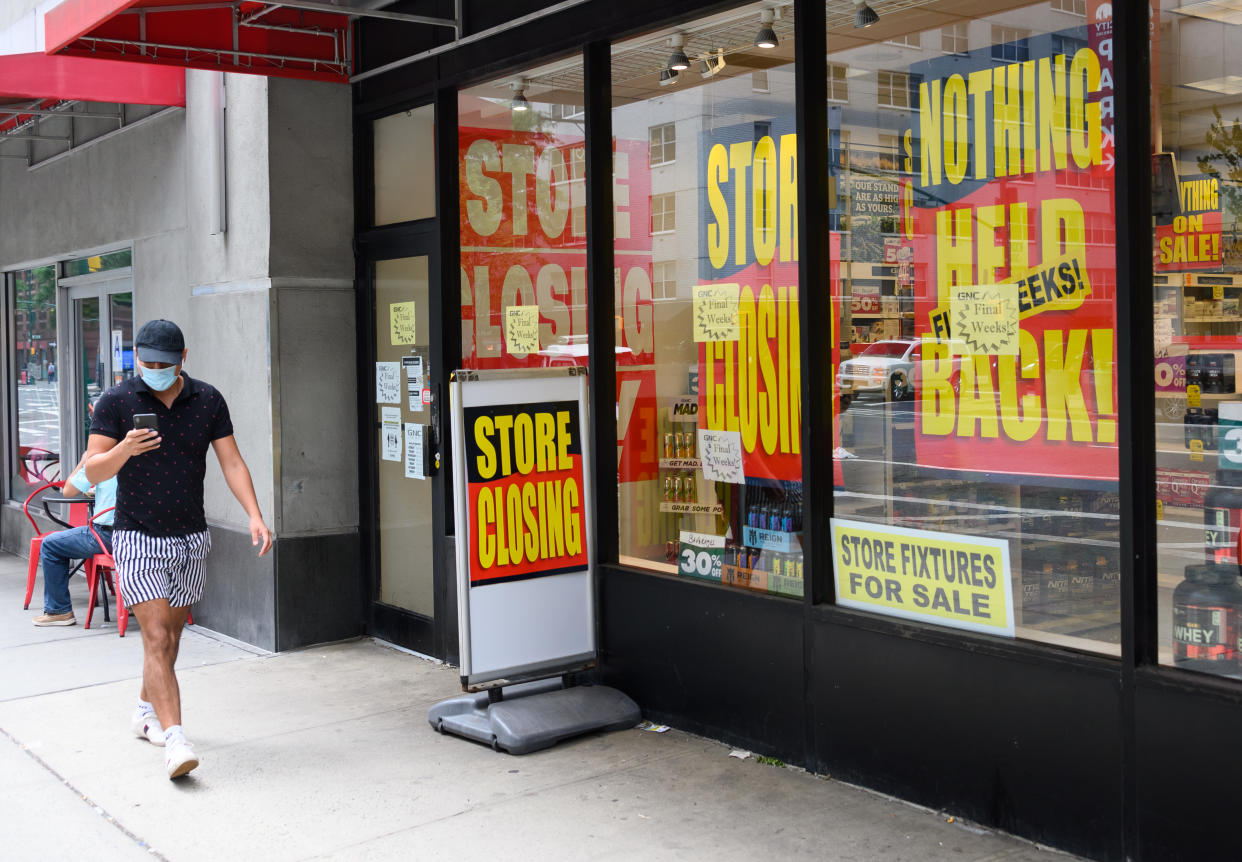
<point>36,541</point>
<point>99,575</point>
<point>34,463</point>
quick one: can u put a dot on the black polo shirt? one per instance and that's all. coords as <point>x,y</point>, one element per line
<point>161,492</point>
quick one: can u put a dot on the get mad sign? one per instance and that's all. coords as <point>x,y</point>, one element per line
<point>524,524</point>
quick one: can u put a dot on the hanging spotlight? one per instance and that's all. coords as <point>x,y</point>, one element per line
<point>864,15</point>
<point>678,61</point>
<point>712,65</point>
<point>518,102</point>
<point>766,37</point>
<point>667,77</point>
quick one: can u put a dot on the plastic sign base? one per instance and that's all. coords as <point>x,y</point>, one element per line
<point>534,715</point>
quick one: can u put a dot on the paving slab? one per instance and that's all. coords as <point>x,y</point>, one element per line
<point>43,818</point>
<point>326,753</point>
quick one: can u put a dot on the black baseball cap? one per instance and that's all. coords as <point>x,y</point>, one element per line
<point>159,341</point>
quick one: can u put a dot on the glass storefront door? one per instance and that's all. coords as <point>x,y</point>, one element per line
<point>405,538</point>
<point>103,346</point>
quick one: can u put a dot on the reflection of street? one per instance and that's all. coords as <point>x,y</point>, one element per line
<point>38,415</point>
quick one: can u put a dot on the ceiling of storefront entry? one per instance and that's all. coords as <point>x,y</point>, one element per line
<point>637,63</point>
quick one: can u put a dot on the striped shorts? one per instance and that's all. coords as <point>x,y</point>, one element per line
<point>160,567</point>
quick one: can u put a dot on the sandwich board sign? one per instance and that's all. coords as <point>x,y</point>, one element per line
<point>525,562</point>
<point>525,524</point>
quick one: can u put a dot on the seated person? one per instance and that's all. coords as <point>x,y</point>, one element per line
<point>62,547</point>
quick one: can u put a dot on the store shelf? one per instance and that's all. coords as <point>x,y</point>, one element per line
<point>680,463</point>
<point>693,508</point>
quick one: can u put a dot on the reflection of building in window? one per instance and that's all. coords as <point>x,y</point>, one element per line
<point>890,152</point>
<point>838,87</point>
<point>1083,180</point>
<point>1009,44</point>
<point>759,81</point>
<point>664,279</point>
<point>577,178</point>
<point>910,40</point>
<point>893,90</point>
<point>663,140</point>
<point>1077,7</point>
<point>663,213</point>
<point>1067,45</point>
<point>566,112</point>
<point>953,38</point>
<point>843,152</point>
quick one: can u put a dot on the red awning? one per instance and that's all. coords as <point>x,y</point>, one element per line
<point>40,77</point>
<point>240,36</point>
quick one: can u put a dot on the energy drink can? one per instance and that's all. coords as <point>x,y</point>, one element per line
<point>670,448</point>
<point>668,489</point>
<point>689,435</point>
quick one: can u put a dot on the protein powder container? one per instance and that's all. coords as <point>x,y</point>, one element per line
<point>1207,607</point>
<point>1222,506</point>
<point>1222,514</point>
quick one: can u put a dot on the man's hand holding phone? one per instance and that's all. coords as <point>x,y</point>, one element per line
<point>144,436</point>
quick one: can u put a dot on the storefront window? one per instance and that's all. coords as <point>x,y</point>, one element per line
<point>97,263</point>
<point>405,166</point>
<point>709,378</point>
<point>36,368</point>
<point>974,286</point>
<point>1197,208</point>
<point>521,149</point>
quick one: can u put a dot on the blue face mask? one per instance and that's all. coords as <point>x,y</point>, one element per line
<point>158,379</point>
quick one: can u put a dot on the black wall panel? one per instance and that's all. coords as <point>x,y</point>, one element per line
<point>707,659</point>
<point>1188,756</point>
<point>1025,745</point>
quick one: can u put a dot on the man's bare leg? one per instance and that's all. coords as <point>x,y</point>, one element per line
<point>161,627</point>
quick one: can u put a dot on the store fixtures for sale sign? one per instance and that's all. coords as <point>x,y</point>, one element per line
<point>524,514</point>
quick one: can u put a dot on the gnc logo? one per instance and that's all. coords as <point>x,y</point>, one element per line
<point>1104,12</point>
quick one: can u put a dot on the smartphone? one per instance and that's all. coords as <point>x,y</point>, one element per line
<point>147,420</point>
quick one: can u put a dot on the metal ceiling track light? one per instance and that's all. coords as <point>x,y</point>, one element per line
<point>864,15</point>
<point>678,61</point>
<point>712,63</point>
<point>519,103</point>
<point>766,37</point>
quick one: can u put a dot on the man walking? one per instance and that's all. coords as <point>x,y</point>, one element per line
<point>160,539</point>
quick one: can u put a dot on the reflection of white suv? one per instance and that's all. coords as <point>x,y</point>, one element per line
<point>883,365</point>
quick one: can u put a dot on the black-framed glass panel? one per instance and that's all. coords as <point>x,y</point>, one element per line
<point>973,248</point>
<point>404,165</point>
<point>97,263</point>
<point>709,418</point>
<point>521,152</point>
<point>1197,275</point>
<point>36,367</point>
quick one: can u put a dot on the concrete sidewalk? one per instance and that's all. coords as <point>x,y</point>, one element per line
<point>326,753</point>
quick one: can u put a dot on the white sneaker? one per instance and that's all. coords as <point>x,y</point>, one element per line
<point>179,758</point>
<point>146,726</point>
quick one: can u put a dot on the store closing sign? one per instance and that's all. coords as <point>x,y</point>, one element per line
<point>1010,181</point>
<point>524,544</point>
<point>523,244</point>
<point>524,469</point>
<point>942,578</point>
<point>745,310</point>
